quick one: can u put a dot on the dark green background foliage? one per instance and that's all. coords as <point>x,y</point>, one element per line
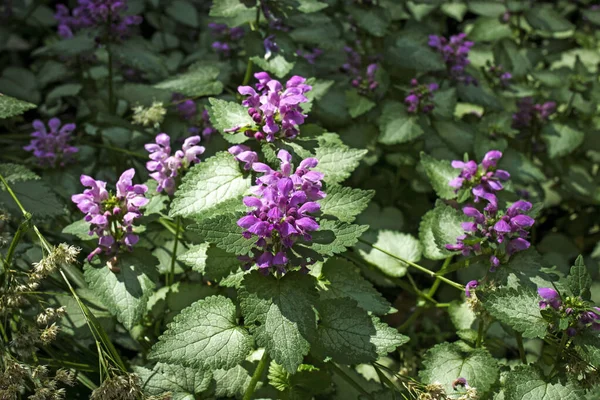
<point>382,314</point>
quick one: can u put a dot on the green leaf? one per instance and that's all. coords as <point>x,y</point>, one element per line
<point>184,12</point>
<point>66,90</point>
<point>198,81</point>
<point>518,309</point>
<point>562,139</point>
<point>445,103</point>
<point>16,173</point>
<point>345,203</point>
<point>411,54</point>
<point>310,6</point>
<point>345,333</point>
<point>9,106</point>
<point>546,18</point>
<point>80,43</point>
<point>525,382</point>
<point>446,362</point>
<point>81,229</point>
<point>357,104</point>
<point>208,185</point>
<point>276,64</point>
<point>228,8</point>
<point>139,54</point>
<point>397,126</point>
<point>440,173</point>
<point>340,279</point>
<point>579,279</point>
<point>36,197</point>
<point>224,232</point>
<point>183,382</point>
<point>386,339</point>
<point>337,162</point>
<point>443,225</point>
<point>124,293</point>
<point>489,30</point>
<point>462,315</point>
<point>228,115</point>
<point>304,384</point>
<point>281,310</point>
<point>205,335</point>
<point>334,237</point>
<point>402,245</point>
<point>588,346</point>
<point>215,264</point>
<point>375,20</point>
<point>526,268</point>
<point>233,382</point>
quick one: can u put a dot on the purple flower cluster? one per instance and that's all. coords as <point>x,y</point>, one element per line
<point>96,13</point>
<point>470,286</point>
<point>455,53</point>
<point>483,179</point>
<point>52,148</point>
<point>281,208</point>
<point>363,80</point>
<point>275,109</point>
<point>495,233</point>
<point>569,307</point>
<point>420,98</point>
<point>530,113</point>
<point>187,110</point>
<point>111,215</point>
<point>166,167</point>
<point>227,38</point>
<point>310,56</point>
<point>501,77</point>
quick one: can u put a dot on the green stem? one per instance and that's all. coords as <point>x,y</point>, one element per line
<point>561,348</point>
<point>124,151</point>
<point>248,73</point>
<point>416,266</point>
<point>340,372</point>
<point>410,319</point>
<point>570,103</point>
<point>171,275</point>
<point>519,338</point>
<point>262,364</point>
<point>14,197</point>
<point>13,244</point>
<point>480,333</point>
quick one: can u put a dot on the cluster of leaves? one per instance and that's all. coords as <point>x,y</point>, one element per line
<point>382,313</point>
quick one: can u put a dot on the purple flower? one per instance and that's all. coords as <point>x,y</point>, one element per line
<point>528,112</point>
<point>227,38</point>
<point>110,215</point>
<point>493,232</point>
<point>499,76</point>
<point>362,78</point>
<point>275,109</point>
<point>282,204</point>
<point>166,167</point>
<point>244,154</point>
<point>270,46</point>
<point>310,56</point>
<point>185,107</point>
<point>551,298</point>
<point>52,148</point>
<point>103,14</point>
<point>460,382</point>
<point>484,179</point>
<point>470,286</point>
<point>455,53</point>
<point>420,97</point>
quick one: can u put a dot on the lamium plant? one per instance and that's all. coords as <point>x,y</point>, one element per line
<point>299,199</point>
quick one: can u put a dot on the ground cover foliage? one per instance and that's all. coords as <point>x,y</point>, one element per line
<point>299,199</point>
